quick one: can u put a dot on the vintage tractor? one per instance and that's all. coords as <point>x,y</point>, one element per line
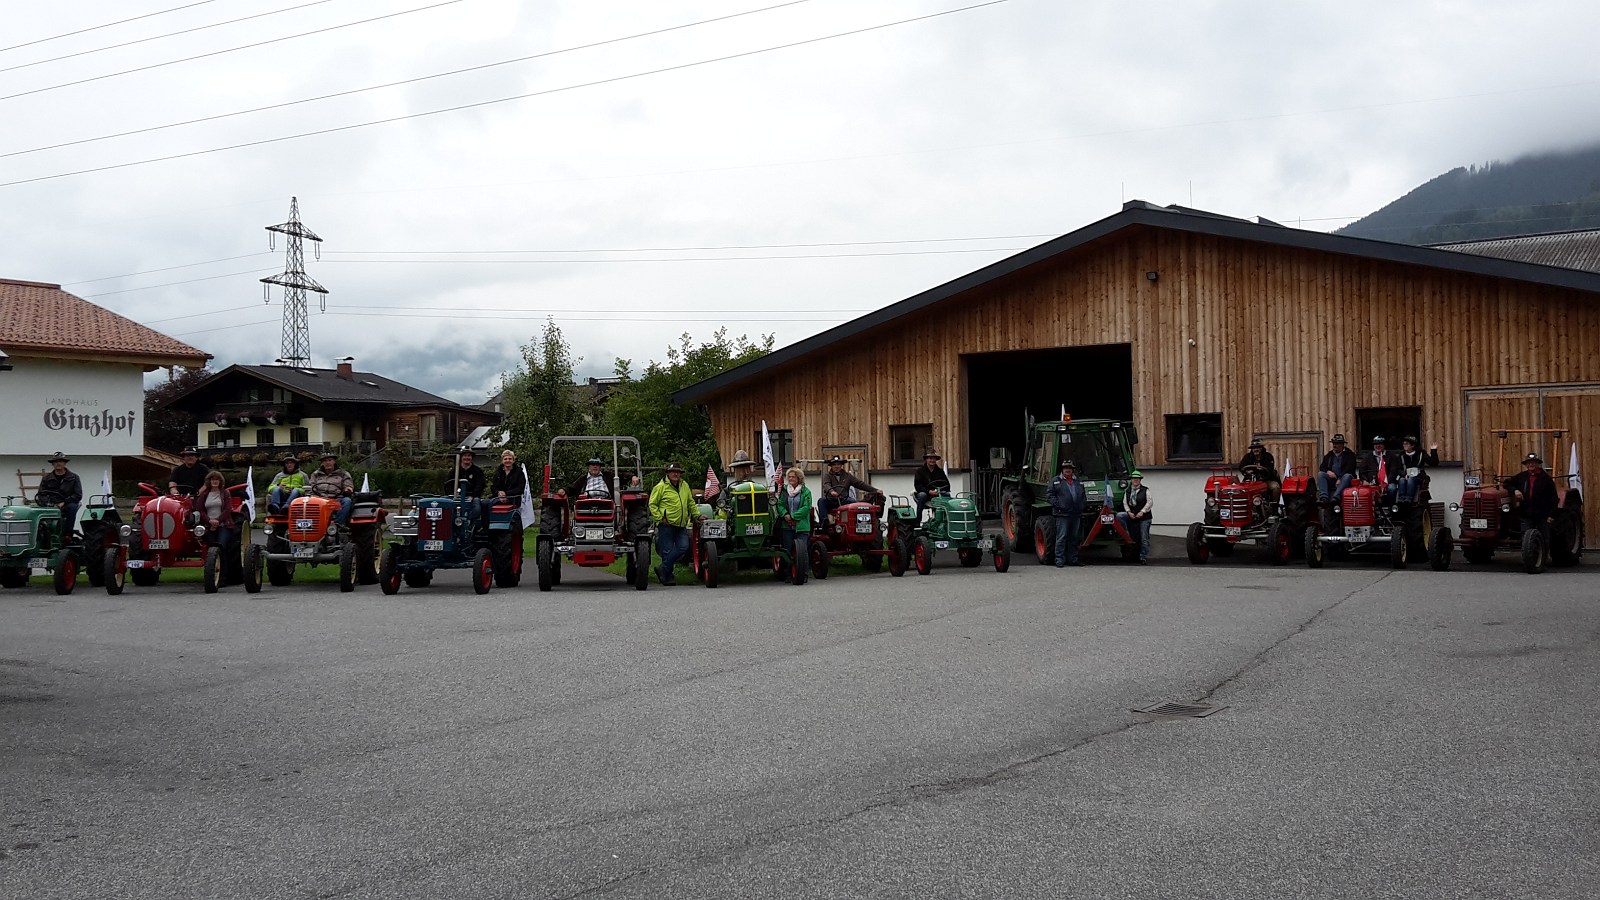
<point>1491,519</point>
<point>1102,450</point>
<point>1361,520</point>
<point>593,529</point>
<point>745,534</point>
<point>857,529</point>
<point>30,538</point>
<point>452,532</point>
<point>166,534</point>
<point>305,533</point>
<point>1238,509</point>
<point>950,522</point>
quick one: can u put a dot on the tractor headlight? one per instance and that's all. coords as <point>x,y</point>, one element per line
<point>1455,507</point>
<point>1256,501</point>
<point>199,531</point>
<point>126,531</point>
<point>333,529</point>
<point>267,528</point>
<point>1505,507</point>
<point>610,533</point>
<point>1337,508</point>
<point>1211,503</point>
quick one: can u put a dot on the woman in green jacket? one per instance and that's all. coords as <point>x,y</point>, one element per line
<point>285,486</point>
<point>794,511</point>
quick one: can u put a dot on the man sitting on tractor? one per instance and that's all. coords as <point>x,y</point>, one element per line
<point>1258,465</point>
<point>64,489</point>
<point>187,477</point>
<point>1535,492</point>
<point>1414,465</point>
<point>929,481</point>
<point>286,485</point>
<point>467,477</point>
<point>836,487</point>
<point>1335,472</point>
<point>594,482</point>
<point>742,473</point>
<point>331,481</point>
<point>1381,467</point>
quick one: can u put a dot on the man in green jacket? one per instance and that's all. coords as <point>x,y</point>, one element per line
<point>286,485</point>
<point>673,509</point>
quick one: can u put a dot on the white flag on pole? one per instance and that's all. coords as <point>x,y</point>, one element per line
<point>364,487</point>
<point>1575,482</point>
<point>250,494</point>
<point>105,482</point>
<point>773,477</point>
<point>527,497</point>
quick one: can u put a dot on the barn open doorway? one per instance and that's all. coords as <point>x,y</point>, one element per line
<point>1003,388</point>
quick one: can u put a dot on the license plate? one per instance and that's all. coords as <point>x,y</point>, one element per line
<point>1232,531</point>
<point>158,544</point>
<point>1478,524</point>
<point>1107,520</point>
<point>135,564</point>
<point>863,528</point>
<point>863,517</point>
<point>756,529</point>
<point>1357,533</point>
<point>303,552</point>
<point>595,534</point>
<point>302,523</point>
<point>942,545</point>
<point>433,545</point>
<point>38,562</point>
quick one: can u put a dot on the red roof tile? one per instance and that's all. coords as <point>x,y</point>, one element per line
<point>39,318</point>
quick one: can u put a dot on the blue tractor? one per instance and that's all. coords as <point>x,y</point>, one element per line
<point>453,532</point>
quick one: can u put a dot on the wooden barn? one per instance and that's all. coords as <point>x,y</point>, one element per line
<point>1203,331</point>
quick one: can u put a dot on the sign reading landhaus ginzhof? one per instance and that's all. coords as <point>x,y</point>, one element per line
<point>77,408</point>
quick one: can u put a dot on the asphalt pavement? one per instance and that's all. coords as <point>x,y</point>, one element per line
<point>964,734</point>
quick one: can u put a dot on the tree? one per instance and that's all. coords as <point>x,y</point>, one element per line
<point>540,402</point>
<point>668,432</point>
<point>171,430</point>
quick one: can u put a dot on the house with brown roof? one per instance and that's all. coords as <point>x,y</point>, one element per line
<point>74,382</point>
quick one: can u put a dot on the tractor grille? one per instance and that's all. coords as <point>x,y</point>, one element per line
<point>594,511</point>
<point>308,519</point>
<point>1234,508</point>
<point>751,501</point>
<point>161,518</point>
<point>1359,508</point>
<point>961,521</point>
<point>436,523</point>
<point>1481,507</point>
<point>16,534</point>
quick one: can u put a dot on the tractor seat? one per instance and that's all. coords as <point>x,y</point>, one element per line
<point>365,503</point>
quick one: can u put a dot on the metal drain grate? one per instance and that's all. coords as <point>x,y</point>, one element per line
<point>1170,710</point>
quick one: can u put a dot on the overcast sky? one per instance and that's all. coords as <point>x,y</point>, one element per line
<point>885,161</point>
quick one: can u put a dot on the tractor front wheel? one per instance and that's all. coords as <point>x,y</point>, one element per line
<point>210,571</point>
<point>482,571</point>
<point>66,573</point>
<point>1279,545</point>
<point>708,564</point>
<point>1440,551</point>
<point>821,560</point>
<point>115,572</point>
<point>899,555</point>
<point>970,557</point>
<point>1044,539</point>
<point>1314,549</point>
<point>1002,553</point>
<point>1397,549</point>
<point>1194,543</point>
<point>1015,521</point>
<point>1533,551</point>
<point>641,560</point>
<point>366,541</point>
<point>254,560</point>
<point>389,571</point>
<point>347,568</point>
<point>872,562</point>
<point>544,554</point>
<point>922,554</point>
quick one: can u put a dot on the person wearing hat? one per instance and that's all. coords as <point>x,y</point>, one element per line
<point>286,485</point>
<point>674,511</point>
<point>1414,465</point>
<point>188,476</point>
<point>331,481</point>
<point>929,481</point>
<point>1381,467</point>
<point>594,482</point>
<point>1336,471</point>
<point>66,490</point>
<point>1258,464</point>
<point>467,476</point>
<point>1137,512</point>
<point>836,487</point>
<point>741,472</point>
<point>1067,502</point>
<point>1535,494</point>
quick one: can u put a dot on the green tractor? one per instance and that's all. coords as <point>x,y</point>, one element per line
<point>1102,450</point>
<point>30,538</point>
<point>746,534</point>
<point>952,523</point>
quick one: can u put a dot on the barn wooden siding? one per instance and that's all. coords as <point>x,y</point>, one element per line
<point>1286,341</point>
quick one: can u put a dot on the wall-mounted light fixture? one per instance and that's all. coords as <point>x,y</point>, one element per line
<point>1152,276</point>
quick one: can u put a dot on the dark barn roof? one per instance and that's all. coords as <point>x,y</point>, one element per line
<point>1138,213</point>
<point>1567,249</point>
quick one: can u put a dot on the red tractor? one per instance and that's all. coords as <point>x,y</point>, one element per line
<point>1366,519</point>
<point>166,534</point>
<point>1491,517</point>
<point>1239,509</point>
<point>306,533</point>
<point>857,529</point>
<point>592,529</point>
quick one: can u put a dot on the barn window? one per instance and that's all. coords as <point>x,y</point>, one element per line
<point>1194,437</point>
<point>782,446</point>
<point>266,436</point>
<point>907,443</point>
<point>1393,422</point>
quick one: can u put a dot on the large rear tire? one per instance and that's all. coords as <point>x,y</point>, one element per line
<point>1194,544</point>
<point>210,569</point>
<point>1533,551</point>
<point>366,541</point>
<point>254,561</point>
<point>1016,518</point>
<point>1566,547</point>
<point>1044,539</point>
<point>482,571</point>
<point>544,553</point>
<point>389,571</point>
<point>1441,550</point>
<point>504,566</point>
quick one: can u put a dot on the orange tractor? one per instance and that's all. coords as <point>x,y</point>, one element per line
<point>306,533</point>
<point>1491,516</point>
<point>166,534</point>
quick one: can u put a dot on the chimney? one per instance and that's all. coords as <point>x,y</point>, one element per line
<point>347,369</point>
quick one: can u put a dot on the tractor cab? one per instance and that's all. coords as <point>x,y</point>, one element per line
<point>1102,451</point>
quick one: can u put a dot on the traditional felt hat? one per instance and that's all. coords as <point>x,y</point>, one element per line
<point>1255,444</point>
<point>1532,458</point>
<point>190,451</point>
<point>329,454</point>
<point>290,458</point>
<point>1378,439</point>
<point>595,461</point>
<point>741,458</point>
<point>931,454</point>
<point>836,460</point>
<point>1136,474</point>
<point>674,467</point>
<point>58,457</point>
<point>1067,464</point>
<point>1338,439</point>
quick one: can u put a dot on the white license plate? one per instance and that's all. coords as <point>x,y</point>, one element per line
<point>1478,524</point>
<point>1107,520</point>
<point>135,563</point>
<point>942,545</point>
<point>432,545</point>
<point>302,523</point>
<point>303,552</point>
<point>863,528</point>
<point>158,544</point>
<point>38,562</point>
<point>596,534</point>
<point>1358,534</point>
<point>1232,530</point>
<point>756,529</point>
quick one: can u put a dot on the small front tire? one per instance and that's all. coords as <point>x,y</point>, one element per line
<point>482,571</point>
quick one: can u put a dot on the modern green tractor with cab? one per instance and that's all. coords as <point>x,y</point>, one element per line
<point>1102,451</point>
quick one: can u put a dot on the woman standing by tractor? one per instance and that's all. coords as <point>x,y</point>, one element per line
<point>794,512</point>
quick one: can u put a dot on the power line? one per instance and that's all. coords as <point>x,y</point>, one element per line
<point>56,37</point>
<point>482,103</point>
<point>173,62</point>
<point>214,312</point>
<point>717,316</point>
<point>1000,237</point>
<point>375,87</point>
<point>40,62</point>
<point>150,287</point>
<point>674,259</point>
<point>166,269</point>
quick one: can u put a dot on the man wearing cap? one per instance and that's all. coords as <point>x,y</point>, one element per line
<point>189,476</point>
<point>836,487</point>
<point>331,481</point>
<point>1259,464</point>
<point>741,472</point>
<point>468,476</point>
<point>66,490</point>
<point>929,481</point>
<point>1535,492</point>
<point>1067,501</point>
<point>1137,511</point>
<point>1414,464</point>
<point>593,482</point>
<point>286,485</point>
<point>1337,470</point>
<point>1381,467</point>
<point>673,509</point>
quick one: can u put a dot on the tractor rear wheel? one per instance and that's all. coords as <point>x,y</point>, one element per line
<point>820,560</point>
<point>1532,551</point>
<point>13,578</point>
<point>1016,517</point>
<point>365,538</point>
<point>146,577</point>
<point>1194,543</point>
<point>1566,538</point>
<point>66,573</point>
<point>418,578</point>
<point>1314,548</point>
<point>969,556</point>
<point>482,571</point>
<point>922,554</point>
<point>1439,552</point>
<point>544,553</point>
<point>279,574</point>
<point>1044,539</point>
<point>1280,544</point>
<point>347,568</point>
<point>708,563</point>
<point>389,571</point>
<point>505,565</point>
<point>797,572</point>
<point>94,560</point>
<point>872,562</point>
<point>254,560</point>
<point>899,555</point>
<point>1002,553</point>
<point>210,570</point>
<point>1478,552</point>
